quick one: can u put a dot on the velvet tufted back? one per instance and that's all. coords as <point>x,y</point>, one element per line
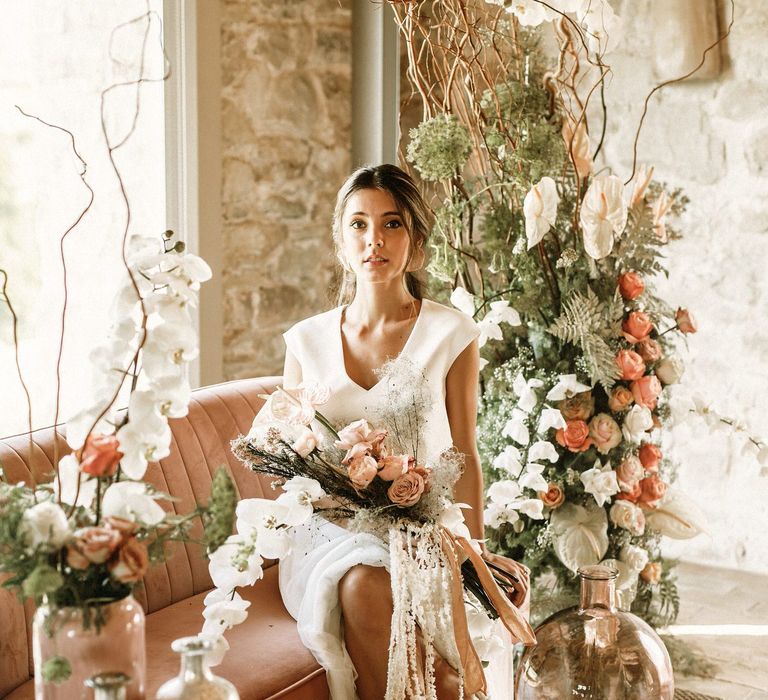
<point>200,445</point>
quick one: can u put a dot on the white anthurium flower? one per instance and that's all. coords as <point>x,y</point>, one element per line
<point>44,524</point>
<point>524,390</point>
<point>600,482</point>
<point>540,209</point>
<point>287,406</point>
<point>676,516</point>
<point>580,534</point>
<point>543,449</point>
<point>516,429</point>
<point>533,479</point>
<point>489,330</point>
<point>567,386</point>
<point>603,215</point>
<point>634,557</point>
<point>314,393</point>
<point>637,422</point>
<point>502,312</point>
<point>509,461</point>
<point>220,647</point>
<point>223,609</point>
<point>268,520</point>
<point>463,301</point>
<point>452,518</point>
<point>235,563</point>
<point>171,396</point>
<point>68,476</point>
<point>129,500</point>
<point>550,418</point>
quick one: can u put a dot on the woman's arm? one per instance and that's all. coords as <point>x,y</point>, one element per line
<point>461,404</point>
<point>291,371</point>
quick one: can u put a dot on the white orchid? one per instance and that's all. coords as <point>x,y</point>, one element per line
<point>604,27</point>
<point>637,422</point>
<point>506,502</point>
<point>146,437</point>
<point>452,518</point>
<point>223,609</point>
<point>529,13</point>
<point>600,481</point>
<point>220,647</point>
<point>299,495</point>
<point>44,524</point>
<point>167,348</point>
<point>463,301</point>
<point>484,633</point>
<point>516,428</point>
<point>540,210</point>
<point>235,563</point>
<point>603,215</point>
<point>567,386</point>
<point>550,418</point>
<point>489,330</point>
<point>543,449</point>
<point>131,501</point>
<point>266,522</point>
<point>509,460</point>
<point>525,391</point>
<point>502,312</point>
<point>532,477</point>
<point>171,395</point>
<point>81,423</point>
<point>69,475</point>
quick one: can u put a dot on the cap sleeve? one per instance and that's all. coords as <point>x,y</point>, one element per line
<point>464,330</point>
<point>292,338</point>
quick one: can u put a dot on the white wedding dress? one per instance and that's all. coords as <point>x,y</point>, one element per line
<point>322,552</point>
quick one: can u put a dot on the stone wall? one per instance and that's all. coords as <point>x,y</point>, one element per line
<point>710,137</point>
<point>286,121</point>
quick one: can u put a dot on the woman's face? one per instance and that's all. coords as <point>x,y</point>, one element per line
<point>375,241</point>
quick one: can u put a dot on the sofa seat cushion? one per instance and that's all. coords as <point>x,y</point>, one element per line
<point>266,657</point>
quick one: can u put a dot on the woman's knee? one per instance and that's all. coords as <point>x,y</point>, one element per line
<point>364,591</point>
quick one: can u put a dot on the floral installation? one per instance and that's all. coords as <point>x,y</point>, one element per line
<point>371,478</point>
<point>555,260</point>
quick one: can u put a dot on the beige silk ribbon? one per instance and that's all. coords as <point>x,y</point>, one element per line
<point>518,626</point>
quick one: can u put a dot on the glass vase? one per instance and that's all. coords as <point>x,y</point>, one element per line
<point>593,650</point>
<point>108,686</point>
<point>66,653</point>
<point>195,680</point>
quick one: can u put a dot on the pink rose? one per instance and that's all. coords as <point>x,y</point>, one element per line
<point>651,573</point>
<point>575,436</point>
<point>646,390</point>
<point>653,490</point>
<point>353,433</point>
<point>621,398</point>
<point>630,365</point>
<point>632,494</point>
<point>685,321</point>
<point>553,497</point>
<point>578,407</point>
<point>406,490</point>
<point>362,470</point>
<point>631,285</point>
<point>425,474</point>
<point>125,528</point>
<point>637,327</point>
<point>629,473</point>
<point>131,563</point>
<point>100,455</point>
<point>306,443</point>
<point>650,350</point>
<point>92,545</point>
<point>628,516</point>
<point>360,449</point>
<point>605,432</point>
<point>650,456</point>
<point>393,466</point>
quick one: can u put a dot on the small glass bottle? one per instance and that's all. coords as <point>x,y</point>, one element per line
<point>195,680</point>
<point>108,686</point>
<point>595,651</point>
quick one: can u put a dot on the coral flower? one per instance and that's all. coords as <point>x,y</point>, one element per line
<point>685,321</point>
<point>100,455</point>
<point>637,327</point>
<point>631,285</point>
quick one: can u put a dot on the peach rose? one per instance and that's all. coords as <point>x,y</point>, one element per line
<point>620,400</point>
<point>362,470</point>
<point>425,474</point>
<point>306,443</point>
<point>406,490</point>
<point>637,326</point>
<point>631,285</point>
<point>100,455</point>
<point>653,490</point>
<point>686,323</point>
<point>651,573</point>
<point>627,516</point>
<point>575,436</point>
<point>650,456</point>
<point>125,528</point>
<point>629,473</point>
<point>650,350</point>
<point>393,466</point>
<point>632,494</point>
<point>605,433</point>
<point>646,390</point>
<point>131,562</point>
<point>578,407</point>
<point>553,497</point>
<point>359,449</point>
<point>630,365</point>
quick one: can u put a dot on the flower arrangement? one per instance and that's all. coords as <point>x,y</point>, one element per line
<point>555,260</point>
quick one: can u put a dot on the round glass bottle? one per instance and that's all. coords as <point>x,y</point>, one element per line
<point>595,651</point>
<point>195,680</point>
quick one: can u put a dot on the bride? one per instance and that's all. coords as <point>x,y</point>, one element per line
<point>335,583</point>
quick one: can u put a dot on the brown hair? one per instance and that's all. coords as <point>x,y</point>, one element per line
<point>417,218</point>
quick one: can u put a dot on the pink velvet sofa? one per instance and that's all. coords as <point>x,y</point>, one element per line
<point>266,659</point>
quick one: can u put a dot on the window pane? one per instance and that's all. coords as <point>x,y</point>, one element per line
<point>54,62</point>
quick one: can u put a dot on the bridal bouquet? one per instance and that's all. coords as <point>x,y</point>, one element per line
<point>368,477</point>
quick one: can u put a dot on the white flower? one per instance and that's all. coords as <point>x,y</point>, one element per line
<point>516,429</point>
<point>634,557</point>
<point>600,482</point>
<point>532,478</point>
<point>44,524</point>
<point>220,647</point>
<point>542,449</point>
<point>502,312</point>
<point>289,406</point>
<point>482,630</point>
<point>580,535</point>
<point>489,330</point>
<point>635,190</point>
<point>168,346</point>
<point>540,209</point>
<point>566,387</point>
<point>268,520</point>
<point>496,513</point>
<point>463,301</point>
<point>453,520</point>
<point>79,425</point>
<point>636,423</point>
<point>171,396</point>
<point>223,609</point>
<point>670,370</point>
<point>129,500</point>
<point>506,501</point>
<point>524,390</point>
<point>528,12</point>
<point>299,495</point>
<point>509,460</point>
<point>231,567</point>
<point>550,418</point>
<point>68,476</point>
<point>603,215</point>
<point>145,438</point>
<point>676,516</point>
<point>578,146</point>
<point>306,443</point>
<point>628,516</point>
<point>604,27</point>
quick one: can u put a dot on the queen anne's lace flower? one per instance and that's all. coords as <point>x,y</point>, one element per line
<point>439,147</point>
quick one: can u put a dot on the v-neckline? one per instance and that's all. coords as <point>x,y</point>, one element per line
<point>340,348</point>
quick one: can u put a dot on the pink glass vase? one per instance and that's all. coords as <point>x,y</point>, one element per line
<point>66,654</point>
<point>595,651</point>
